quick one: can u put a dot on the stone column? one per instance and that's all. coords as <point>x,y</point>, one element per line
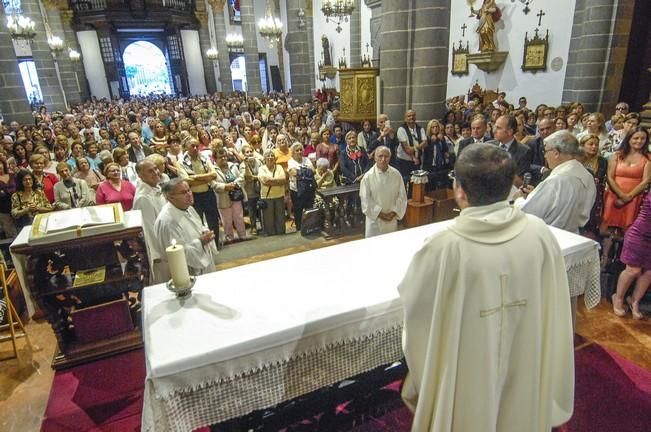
<point>280,51</point>
<point>81,82</point>
<point>296,42</point>
<point>220,34</point>
<point>13,102</point>
<point>597,55</point>
<point>66,68</point>
<point>205,44</point>
<point>309,28</point>
<point>355,47</point>
<point>52,95</point>
<point>251,56</point>
<point>414,60</point>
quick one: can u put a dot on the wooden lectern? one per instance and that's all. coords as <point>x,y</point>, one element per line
<point>357,95</point>
<point>419,207</point>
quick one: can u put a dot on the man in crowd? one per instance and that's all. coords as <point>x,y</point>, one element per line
<point>386,137</point>
<point>138,151</point>
<point>199,173</point>
<point>488,336</point>
<point>504,133</point>
<point>478,129</point>
<point>412,140</point>
<point>179,221</point>
<point>383,196</point>
<point>545,128</point>
<point>149,200</point>
<point>565,198</point>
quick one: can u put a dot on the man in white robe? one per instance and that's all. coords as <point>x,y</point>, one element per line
<point>383,196</point>
<point>149,200</point>
<point>178,220</point>
<point>488,337</point>
<point>565,198</point>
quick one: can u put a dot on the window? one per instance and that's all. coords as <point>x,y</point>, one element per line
<point>12,5</point>
<point>107,49</point>
<point>30,82</point>
<point>173,47</point>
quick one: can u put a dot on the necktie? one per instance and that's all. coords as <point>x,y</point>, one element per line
<point>503,146</point>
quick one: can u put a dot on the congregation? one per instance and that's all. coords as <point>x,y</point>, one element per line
<point>265,157</point>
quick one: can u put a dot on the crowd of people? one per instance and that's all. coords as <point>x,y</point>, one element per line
<point>260,159</point>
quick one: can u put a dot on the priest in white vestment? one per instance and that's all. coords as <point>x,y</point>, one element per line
<point>383,196</point>
<point>178,220</point>
<point>488,334</point>
<point>149,200</point>
<point>565,198</point>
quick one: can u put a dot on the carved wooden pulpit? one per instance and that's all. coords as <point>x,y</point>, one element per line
<point>357,94</point>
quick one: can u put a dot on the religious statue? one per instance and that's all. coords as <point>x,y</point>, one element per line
<point>487,15</point>
<point>326,51</point>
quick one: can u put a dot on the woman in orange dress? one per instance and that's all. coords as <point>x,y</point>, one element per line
<point>629,173</point>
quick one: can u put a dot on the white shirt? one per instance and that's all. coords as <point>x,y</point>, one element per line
<point>564,199</point>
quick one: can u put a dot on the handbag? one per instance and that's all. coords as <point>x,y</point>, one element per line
<point>262,203</point>
<point>236,194</point>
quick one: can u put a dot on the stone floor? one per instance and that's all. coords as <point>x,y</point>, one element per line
<point>25,382</point>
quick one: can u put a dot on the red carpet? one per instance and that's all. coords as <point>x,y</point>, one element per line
<point>612,395</point>
<point>105,395</point>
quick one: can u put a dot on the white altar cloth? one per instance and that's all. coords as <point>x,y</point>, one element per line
<point>260,334</point>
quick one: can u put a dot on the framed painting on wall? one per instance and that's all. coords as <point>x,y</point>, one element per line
<point>534,58</point>
<point>460,59</point>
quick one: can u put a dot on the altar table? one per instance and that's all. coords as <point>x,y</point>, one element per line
<point>254,336</point>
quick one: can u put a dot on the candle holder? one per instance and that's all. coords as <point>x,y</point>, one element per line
<point>181,292</point>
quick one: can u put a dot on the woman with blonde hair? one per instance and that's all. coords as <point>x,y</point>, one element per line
<point>272,194</point>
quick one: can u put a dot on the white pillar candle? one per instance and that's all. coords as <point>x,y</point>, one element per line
<point>178,265</point>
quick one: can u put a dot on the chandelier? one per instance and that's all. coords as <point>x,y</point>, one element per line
<point>55,43</point>
<point>270,27</point>
<point>212,53</point>
<point>74,55</point>
<point>235,42</point>
<point>338,11</point>
<point>20,27</point>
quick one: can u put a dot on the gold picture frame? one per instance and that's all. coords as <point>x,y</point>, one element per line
<point>460,59</point>
<point>534,58</point>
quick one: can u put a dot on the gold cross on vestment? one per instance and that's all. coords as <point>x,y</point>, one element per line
<point>501,308</point>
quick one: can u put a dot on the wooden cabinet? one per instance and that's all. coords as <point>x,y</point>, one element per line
<point>89,288</point>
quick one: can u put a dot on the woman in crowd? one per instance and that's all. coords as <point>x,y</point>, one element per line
<point>127,168</point>
<point>256,145</point>
<point>366,136</point>
<point>204,140</point>
<point>115,189</point>
<point>595,124</point>
<point>272,193</point>
<point>27,201</point>
<point>560,123</point>
<point>7,188</point>
<point>354,161</point>
<point>92,177</point>
<point>450,135</point>
<point>43,180</point>
<point>50,166</point>
<point>311,145</point>
<point>71,192</point>
<point>230,196</point>
<point>329,150</point>
<point>636,256</point>
<point>77,151</point>
<point>121,140</point>
<point>250,168</point>
<point>282,153</point>
<point>521,134</point>
<point>20,154</point>
<point>159,140</point>
<point>598,167</point>
<point>629,173</point>
<point>438,157</point>
<point>301,183</point>
<point>572,121</point>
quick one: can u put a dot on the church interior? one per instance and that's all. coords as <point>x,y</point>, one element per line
<point>303,329</point>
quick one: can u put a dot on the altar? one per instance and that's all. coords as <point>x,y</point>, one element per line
<point>254,336</point>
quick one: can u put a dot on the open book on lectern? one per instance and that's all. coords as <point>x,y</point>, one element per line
<point>77,222</point>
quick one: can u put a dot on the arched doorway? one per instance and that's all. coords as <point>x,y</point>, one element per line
<point>238,73</point>
<point>146,69</point>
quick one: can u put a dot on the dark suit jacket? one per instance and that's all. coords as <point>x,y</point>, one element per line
<point>521,154</point>
<point>132,154</point>
<point>467,141</point>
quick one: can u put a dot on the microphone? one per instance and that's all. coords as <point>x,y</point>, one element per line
<point>526,179</point>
